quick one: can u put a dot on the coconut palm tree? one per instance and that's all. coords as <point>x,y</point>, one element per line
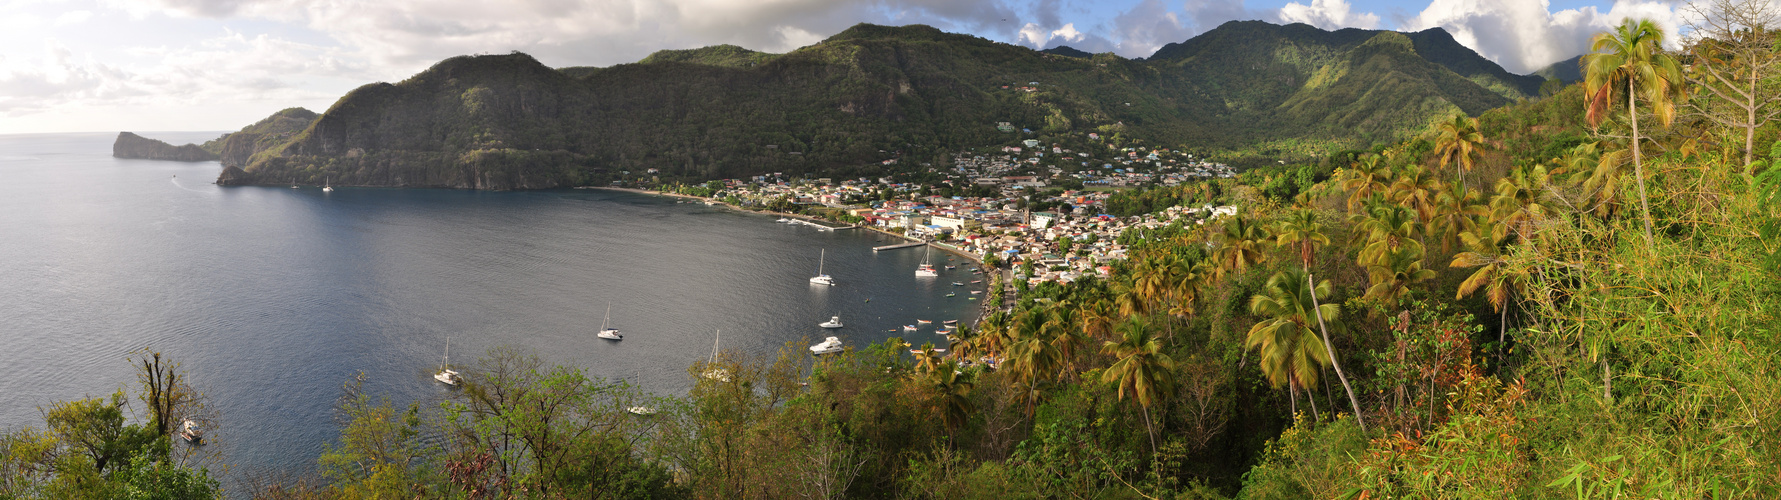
<point>1630,60</point>
<point>1456,211</point>
<point>953,388</point>
<point>1458,141</point>
<point>1142,368</point>
<point>1392,275</point>
<point>1416,187</point>
<point>1367,177</point>
<point>1239,245</point>
<point>1301,229</point>
<point>1289,353</point>
<point>1523,200</point>
<point>1487,253</point>
<point>1382,228</point>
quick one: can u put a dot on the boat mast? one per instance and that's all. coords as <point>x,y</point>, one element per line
<point>714,341</point>
<point>445,361</point>
<point>819,258</point>
<point>608,317</point>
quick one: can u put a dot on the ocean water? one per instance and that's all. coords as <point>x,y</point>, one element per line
<point>272,297</point>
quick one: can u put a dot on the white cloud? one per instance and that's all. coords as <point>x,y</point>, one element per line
<point>1328,14</point>
<point>1525,35</point>
<point>73,17</point>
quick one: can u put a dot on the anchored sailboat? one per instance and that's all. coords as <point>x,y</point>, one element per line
<point>822,279</point>
<point>926,270</point>
<point>446,374</point>
<point>608,333</point>
<point>711,370</point>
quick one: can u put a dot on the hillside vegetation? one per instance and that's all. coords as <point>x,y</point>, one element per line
<point>872,93</point>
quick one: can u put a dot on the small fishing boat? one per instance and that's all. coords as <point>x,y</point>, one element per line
<point>955,283</point>
<point>924,322</point>
<point>976,281</point>
<point>975,292</point>
<point>949,294</point>
<point>950,322</point>
<point>972,298</point>
<point>188,430</point>
<point>951,267</point>
<point>942,332</point>
<point>918,351</point>
<point>909,328</point>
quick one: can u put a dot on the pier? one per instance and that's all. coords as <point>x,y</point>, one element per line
<point>900,245</point>
<point>818,225</point>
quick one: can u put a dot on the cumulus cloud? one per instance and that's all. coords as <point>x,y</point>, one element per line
<point>1328,14</point>
<point>1526,35</point>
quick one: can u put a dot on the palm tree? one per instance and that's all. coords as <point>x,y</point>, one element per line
<point>1239,245</point>
<point>1366,178</point>
<point>1289,353</point>
<point>953,387</point>
<point>1393,274</point>
<point>1302,229</point>
<point>1456,211</point>
<point>1416,187</point>
<point>1493,274</point>
<point>1523,200</point>
<point>1142,369</point>
<point>1382,228</point>
<point>1630,59</point>
<point>1063,330</point>
<point>1458,141</point>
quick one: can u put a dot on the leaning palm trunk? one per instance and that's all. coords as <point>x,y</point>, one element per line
<point>1638,164</point>
<point>1331,350</point>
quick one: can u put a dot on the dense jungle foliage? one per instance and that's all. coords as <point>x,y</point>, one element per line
<point>1567,298</point>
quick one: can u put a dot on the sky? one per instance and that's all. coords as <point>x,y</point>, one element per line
<point>214,65</point>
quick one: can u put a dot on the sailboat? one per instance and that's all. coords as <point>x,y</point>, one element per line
<point>926,270</point>
<point>189,431</point>
<point>446,374</point>
<point>293,183</point>
<point>712,371</point>
<point>822,279</point>
<point>326,187</point>
<point>608,333</point>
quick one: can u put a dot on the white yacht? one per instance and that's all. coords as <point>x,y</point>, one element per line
<point>608,333</point>
<point>822,279</point>
<point>829,346</point>
<point>326,187</point>
<point>446,375</point>
<point>712,371</point>
<point>833,322</point>
<point>926,270</point>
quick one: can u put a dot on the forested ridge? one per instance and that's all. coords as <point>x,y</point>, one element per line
<point>1566,298</point>
<point>873,93</point>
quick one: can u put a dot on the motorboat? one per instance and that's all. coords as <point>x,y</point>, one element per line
<point>975,292</point>
<point>608,333</point>
<point>976,281</point>
<point>189,431</point>
<point>909,328</point>
<point>950,294</point>
<point>447,375</point>
<point>949,268</point>
<point>830,345</point>
<point>820,278</point>
<point>955,283</point>
<point>833,322</point>
<point>924,322</point>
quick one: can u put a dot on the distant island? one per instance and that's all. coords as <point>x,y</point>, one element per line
<point>869,101</point>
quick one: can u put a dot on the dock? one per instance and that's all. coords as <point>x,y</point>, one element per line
<point>817,225</point>
<point>900,245</point>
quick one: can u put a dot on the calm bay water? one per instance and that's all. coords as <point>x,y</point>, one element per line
<point>274,297</point>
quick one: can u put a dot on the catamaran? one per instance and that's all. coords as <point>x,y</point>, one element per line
<point>608,333</point>
<point>926,270</point>
<point>326,186</point>
<point>822,279</point>
<point>446,374</point>
<point>833,322</point>
<point>830,346</point>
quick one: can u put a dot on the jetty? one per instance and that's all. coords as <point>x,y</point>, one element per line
<point>900,245</point>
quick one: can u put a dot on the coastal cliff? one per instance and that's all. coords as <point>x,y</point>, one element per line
<point>232,149</point>
<point>134,146</point>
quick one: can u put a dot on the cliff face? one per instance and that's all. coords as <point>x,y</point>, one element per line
<point>134,146</point>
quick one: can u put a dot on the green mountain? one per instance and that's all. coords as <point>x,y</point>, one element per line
<point>873,93</point>
<point>232,149</point>
<point>1568,70</point>
<point>1067,51</point>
